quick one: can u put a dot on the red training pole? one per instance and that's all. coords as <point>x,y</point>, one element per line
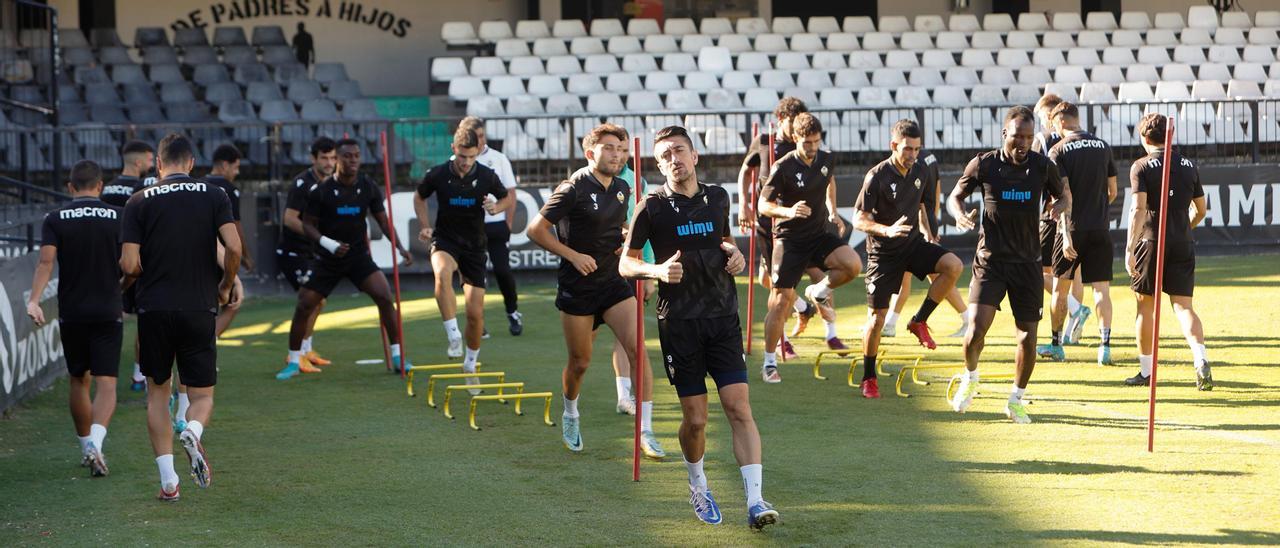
<point>395,246</point>
<point>637,376</point>
<point>751,242</point>
<point>1160,240</point>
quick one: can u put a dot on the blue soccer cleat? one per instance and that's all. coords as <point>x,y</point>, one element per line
<point>1051,351</point>
<point>288,372</point>
<point>761,514</point>
<point>1076,329</point>
<point>704,506</point>
<point>572,435</point>
<point>1104,355</point>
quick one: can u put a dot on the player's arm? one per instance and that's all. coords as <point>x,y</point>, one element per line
<point>833,215</point>
<point>246,260</point>
<point>539,231</point>
<point>1199,210</point>
<point>632,265</point>
<point>746,209</point>
<point>734,261</point>
<point>44,271</point>
<point>1137,211</point>
<point>293,221</point>
<point>970,181</point>
<point>1059,188</point>
<point>926,227</point>
<point>1112,189</point>
<point>380,217</point>
<point>768,203</point>
<point>424,217</point>
<point>232,253</point>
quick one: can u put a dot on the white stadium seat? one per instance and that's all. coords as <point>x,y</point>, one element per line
<point>622,45</point>
<point>564,65</point>
<point>604,103</point>
<point>1092,39</point>
<point>858,24</point>
<point>752,26</point>
<point>760,99</point>
<point>458,33</point>
<point>1128,39</point>
<point>1032,21</point>
<point>964,22</point>
<point>851,79</point>
<point>791,60</point>
<point>493,31</point>
<point>568,28</point>
<point>1208,90</point>
<point>829,60</point>
<point>998,22</point>
<point>680,62</point>
<point>660,43</point>
<point>1171,20</point>
<point>1067,21</point>
<point>511,47</point>
<point>714,60</point>
<point>1202,17</point>
<point>583,46</point>
<point>693,43</point>
<point>444,69</point>
<point>679,26</point>
<point>715,26</point>
<point>807,43</point>
<point>1058,39</point>
<point>548,47</point>
<point>1100,20</point>
<point>931,24</point>
<point>639,63</point>
<point>623,82</point>
<point>466,87</point>
<point>1135,20</point>
<point>1097,93</point>
<point>526,66</point>
<point>788,25</point>
<point>842,41</point>
<point>755,62</point>
<point>1107,74</point>
<point>735,43</point>
<point>643,27</point>
<point>770,43</point>
<point>823,25</point>
<point>532,30</point>
<point>601,64</point>
<point>895,24</point>
<point>584,84</point>
<point>722,140</point>
<point>952,41</point>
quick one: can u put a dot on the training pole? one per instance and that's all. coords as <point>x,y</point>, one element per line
<point>637,375</point>
<point>752,178</point>
<point>395,246</point>
<point>1160,241</point>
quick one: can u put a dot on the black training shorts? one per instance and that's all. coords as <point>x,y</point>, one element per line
<point>1179,268</point>
<point>297,269</point>
<point>693,349</point>
<point>1023,282</point>
<point>1048,233</point>
<point>472,263</point>
<point>885,270</point>
<point>1093,256</point>
<point>92,347</point>
<point>792,256</point>
<point>594,298</point>
<point>764,245</point>
<point>182,335</point>
<point>327,272</point>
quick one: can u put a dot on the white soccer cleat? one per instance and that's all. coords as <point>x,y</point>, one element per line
<point>627,406</point>
<point>964,395</point>
<point>455,348</point>
<point>473,380</point>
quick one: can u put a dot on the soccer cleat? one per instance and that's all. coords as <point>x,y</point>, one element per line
<point>1017,412</point>
<point>921,331</point>
<point>770,373</point>
<point>627,406</point>
<point>959,334</point>
<point>1104,355</point>
<point>315,359</point>
<point>85,458</point>
<point>811,294</point>
<point>802,321</point>
<point>288,372</point>
<point>395,364</point>
<point>761,514</point>
<point>305,366</point>
<point>1051,351</point>
<point>571,433</point>
<point>138,386</point>
<point>704,506</point>
<point>1204,377</point>
<point>1077,326</point>
<point>516,323</point>
<point>168,495</point>
<point>649,444</point>
<point>1138,380</point>
<point>889,330</point>
<point>788,351</point>
<point>473,380</point>
<point>870,388</point>
<point>485,333</point>
<point>97,463</point>
<point>179,425</point>
<point>200,471</point>
<point>964,395</point>
<point>455,348</point>
<point>835,343</point>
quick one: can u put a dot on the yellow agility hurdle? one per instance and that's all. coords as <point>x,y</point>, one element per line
<point>883,358</point>
<point>914,369</point>
<point>449,390</point>
<point>431,381</point>
<point>408,378</point>
<point>817,362</point>
<point>546,409</point>
<point>954,383</point>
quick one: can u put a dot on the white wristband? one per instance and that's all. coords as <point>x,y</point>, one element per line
<point>329,244</point>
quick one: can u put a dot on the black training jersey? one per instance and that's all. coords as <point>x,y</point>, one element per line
<point>1184,187</point>
<point>296,199</point>
<point>589,218</point>
<point>888,195</point>
<point>1086,162</point>
<point>695,226</point>
<point>460,201</point>
<point>176,222</point>
<point>1043,143</point>
<point>1011,195</point>
<point>144,182</point>
<point>118,191</point>
<point>794,181</point>
<point>340,211</point>
<point>86,232</point>
<point>757,155</point>
<point>232,191</point>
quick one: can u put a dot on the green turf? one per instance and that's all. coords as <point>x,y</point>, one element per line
<point>345,458</point>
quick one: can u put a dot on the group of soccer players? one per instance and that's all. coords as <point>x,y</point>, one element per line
<point>173,245</point>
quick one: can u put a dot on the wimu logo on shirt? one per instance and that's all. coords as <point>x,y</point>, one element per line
<point>1016,195</point>
<point>459,201</point>
<point>174,187</point>
<point>349,210</point>
<point>696,229</point>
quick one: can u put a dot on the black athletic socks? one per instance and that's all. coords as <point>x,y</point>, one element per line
<point>926,309</point>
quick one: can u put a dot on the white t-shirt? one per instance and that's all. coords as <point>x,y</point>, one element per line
<point>498,162</point>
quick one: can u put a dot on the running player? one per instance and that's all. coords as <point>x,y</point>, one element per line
<point>1012,180</point>
<point>465,191</point>
<point>1089,170</point>
<point>688,224</point>
<point>171,232</point>
<point>335,220</point>
<point>1179,280</point>
<point>589,211</point>
<point>892,209</point>
<point>296,253</point>
<point>801,196</point>
<point>83,238</point>
<point>621,365</point>
<point>226,167</point>
<point>497,227</point>
<point>1045,139</point>
<point>137,159</point>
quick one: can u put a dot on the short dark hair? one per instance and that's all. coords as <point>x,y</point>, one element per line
<point>176,148</point>
<point>789,107</point>
<point>1047,102</point>
<point>804,125</point>
<point>599,132</point>
<point>906,128</point>
<point>135,147</point>
<point>85,174</point>
<point>346,142</point>
<point>472,122</point>
<point>226,153</point>
<point>323,145</point>
<point>1065,109</point>
<point>466,138</point>
<point>1020,113</point>
<point>670,132</point>
<point>1153,127</point>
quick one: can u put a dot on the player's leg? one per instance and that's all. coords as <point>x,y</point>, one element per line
<point>497,238</point>
<point>693,442</point>
<point>736,401</point>
<point>1142,325</point>
<point>621,319</point>
<point>805,310</point>
<point>824,308</point>
<point>308,301</point>
<point>76,350</point>
<point>156,356</point>
<point>443,264</point>
<point>1102,303</point>
<point>986,290</point>
<point>308,351</point>
<point>577,339</point>
<point>103,344</point>
<point>1079,312</point>
<point>1057,320</point>
<point>781,299</point>
<point>843,265</point>
<point>474,298</point>
<point>197,359</point>
<point>622,379</point>
<point>375,285</point>
<point>946,267</point>
<point>1025,364</point>
<point>896,305</point>
<point>1193,332</point>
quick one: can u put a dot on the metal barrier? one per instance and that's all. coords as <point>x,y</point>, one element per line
<point>22,207</point>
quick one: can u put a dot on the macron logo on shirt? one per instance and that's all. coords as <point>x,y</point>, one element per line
<point>696,229</point>
<point>1016,195</point>
<point>462,202</point>
<point>87,212</point>
<point>175,187</point>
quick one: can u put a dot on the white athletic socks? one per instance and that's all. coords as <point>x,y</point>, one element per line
<point>1015,395</point>
<point>770,358</point>
<point>168,477</point>
<point>697,479</point>
<point>824,288</point>
<point>570,407</point>
<point>752,478</point>
<point>98,435</point>
<point>831,329</point>
<point>195,428</point>
<point>1144,363</point>
<point>451,329</point>
<point>84,443</point>
<point>646,416</point>
<point>891,318</point>
<point>469,361</point>
<point>306,345</point>
<point>295,356</point>
<point>395,350</point>
<point>801,305</point>
<point>973,376</point>
<point>184,403</point>
<point>1200,353</point>
<point>1072,304</point>
<point>137,372</point>
<point>624,388</point>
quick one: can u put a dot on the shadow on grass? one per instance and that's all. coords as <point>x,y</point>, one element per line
<point>1077,468</point>
<point>1227,536</point>
<point>1141,424</point>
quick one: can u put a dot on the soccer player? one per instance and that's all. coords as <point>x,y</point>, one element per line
<point>892,209</point>
<point>497,227</point>
<point>800,196</point>
<point>296,253</point>
<point>1044,141</point>
<point>334,219</point>
<point>465,191</point>
<point>622,366</point>
<point>171,232</point>
<point>226,167</point>
<point>137,159</point>
<point>748,219</point>
<point>1012,180</point>
<point>83,238</point>
<point>1088,169</point>
<point>688,224</point>
<point>1185,193</point>
<point>589,211</point>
